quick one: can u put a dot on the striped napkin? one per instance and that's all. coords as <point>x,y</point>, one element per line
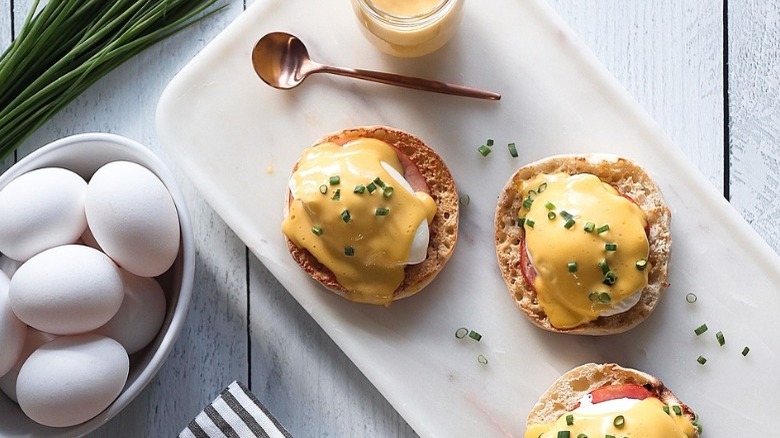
<point>236,413</point>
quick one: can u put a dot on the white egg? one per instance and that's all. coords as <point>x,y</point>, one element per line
<point>12,330</point>
<point>41,209</point>
<point>141,315</point>
<point>32,341</point>
<point>133,218</point>
<point>72,379</point>
<point>9,265</point>
<point>66,290</point>
<point>419,249</point>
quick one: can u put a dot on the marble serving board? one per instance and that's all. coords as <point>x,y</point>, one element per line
<point>237,139</point>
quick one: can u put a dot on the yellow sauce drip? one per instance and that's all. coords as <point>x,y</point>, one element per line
<point>380,243</point>
<point>645,419</point>
<point>567,297</point>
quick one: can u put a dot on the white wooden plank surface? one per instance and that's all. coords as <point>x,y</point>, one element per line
<point>668,54</point>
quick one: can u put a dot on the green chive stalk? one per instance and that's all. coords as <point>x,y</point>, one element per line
<point>69,44</point>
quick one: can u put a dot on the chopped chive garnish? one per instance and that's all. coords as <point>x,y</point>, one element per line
<point>323,189</point>
<point>542,186</point>
<point>475,336</point>
<point>604,267</point>
<point>349,251</point>
<point>605,298</point>
<point>461,332</point>
<point>532,194</point>
<point>564,434</point>
<point>666,409</point>
<point>619,421</point>
<point>335,180</point>
<point>609,436</point>
<point>482,359</point>
<point>610,246</point>
<point>530,223</point>
<point>549,205</point>
<point>345,216</point>
<point>359,189</point>
<point>528,202</point>
<point>691,298</point>
<point>702,360</point>
<point>676,408</point>
<point>593,296</point>
<point>610,278</point>
<point>378,181</point>
<point>745,351</point>
<point>589,227</point>
<point>572,266</point>
<point>388,191</point>
<point>382,211</point>
<point>371,187</point>
<point>641,264</point>
<point>569,420</point>
<point>551,215</point>
<point>566,215</point>
<point>317,230</point>
<point>490,142</point>
<point>569,223</point>
<point>602,228</point>
<point>484,150</point>
<point>721,339</point>
<point>582,435</point>
<point>336,195</point>
<point>512,150</point>
<point>464,199</point>
<point>521,222</point>
<point>700,329</point>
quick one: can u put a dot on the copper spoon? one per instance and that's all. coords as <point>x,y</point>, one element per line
<point>282,61</point>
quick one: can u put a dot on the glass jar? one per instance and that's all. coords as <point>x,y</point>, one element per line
<point>408,28</point>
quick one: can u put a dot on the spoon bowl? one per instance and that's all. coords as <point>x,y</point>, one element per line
<point>282,61</point>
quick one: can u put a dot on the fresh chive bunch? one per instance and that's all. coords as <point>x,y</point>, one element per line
<point>68,45</point>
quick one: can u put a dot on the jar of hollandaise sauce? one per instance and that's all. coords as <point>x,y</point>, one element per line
<point>408,28</point>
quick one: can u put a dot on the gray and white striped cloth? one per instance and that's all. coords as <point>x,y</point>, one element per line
<point>236,413</point>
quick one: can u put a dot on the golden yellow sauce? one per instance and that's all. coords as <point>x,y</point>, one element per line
<point>366,252</point>
<point>573,298</point>
<point>645,419</point>
<point>406,8</point>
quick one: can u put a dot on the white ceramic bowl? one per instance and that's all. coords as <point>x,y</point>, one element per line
<point>84,154</point>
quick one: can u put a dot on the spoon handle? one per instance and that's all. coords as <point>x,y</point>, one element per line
<point>410,82</point>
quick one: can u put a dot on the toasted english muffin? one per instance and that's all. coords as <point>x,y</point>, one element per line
<point>629,179</point>
<point>565,393</point>
<point>443,230</point>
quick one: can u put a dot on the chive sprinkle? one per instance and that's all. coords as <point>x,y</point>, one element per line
<point>382,211</point>
<point>349,251</point>
<point>542,186</point>
<point>619,421</point>
<point>464,199</point>
<point>582,435</point>
<point>528,202</point>
<point>572,266</point>
<point>490,142</point>
<point>610,246</point>
<point>609,436</point>
<point>530,223</point>
<point>512,150</point>
<point>371,187</point>
<point>677,409</point>
<point>602,228</point>
<point>564,434</point>
<point>702,360</point>
<point>359,189</point>
<point>475,336</point>
<point>604,267</point>
<point>461,332</point>
<point>589,227</point>
<point>345,216</point>
<point>317,230</point>
<point>484,150</point>
<point>549,205</point>
<point>323,189</point>
<point>378,181</point>
<point>551,215</point>
<point>569,420</point>
<point>336,195</point>
<point>745,351</point>
<point>641,264</point>
<point>700,329</point>
<point>569,223</point>
<point>610,278</point>
<point>566,215</point>
<point>666,409</point>
<point>482,359</point>
<point>605,298</point>
<point>335,180</point>
<point>721,339</point>
<point>593,296</point>
<point>691,298</point>
<point>532,194</point>
<point>521,222</point>
<point>388,191</point>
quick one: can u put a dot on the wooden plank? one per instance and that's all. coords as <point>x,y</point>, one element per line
<point>754,107</point>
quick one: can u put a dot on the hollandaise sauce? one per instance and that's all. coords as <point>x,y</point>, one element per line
<point>587,244</point>
<point>354,212</point>
<point>648,418</point>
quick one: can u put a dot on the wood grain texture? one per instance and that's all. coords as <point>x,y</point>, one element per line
<point>754,106</point>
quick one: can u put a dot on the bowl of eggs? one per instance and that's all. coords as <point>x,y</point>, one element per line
<point>96,271</point>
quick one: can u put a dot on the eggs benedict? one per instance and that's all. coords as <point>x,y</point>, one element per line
<point>583,243</point>
<point>610,401</point>
<point>372,214</point>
